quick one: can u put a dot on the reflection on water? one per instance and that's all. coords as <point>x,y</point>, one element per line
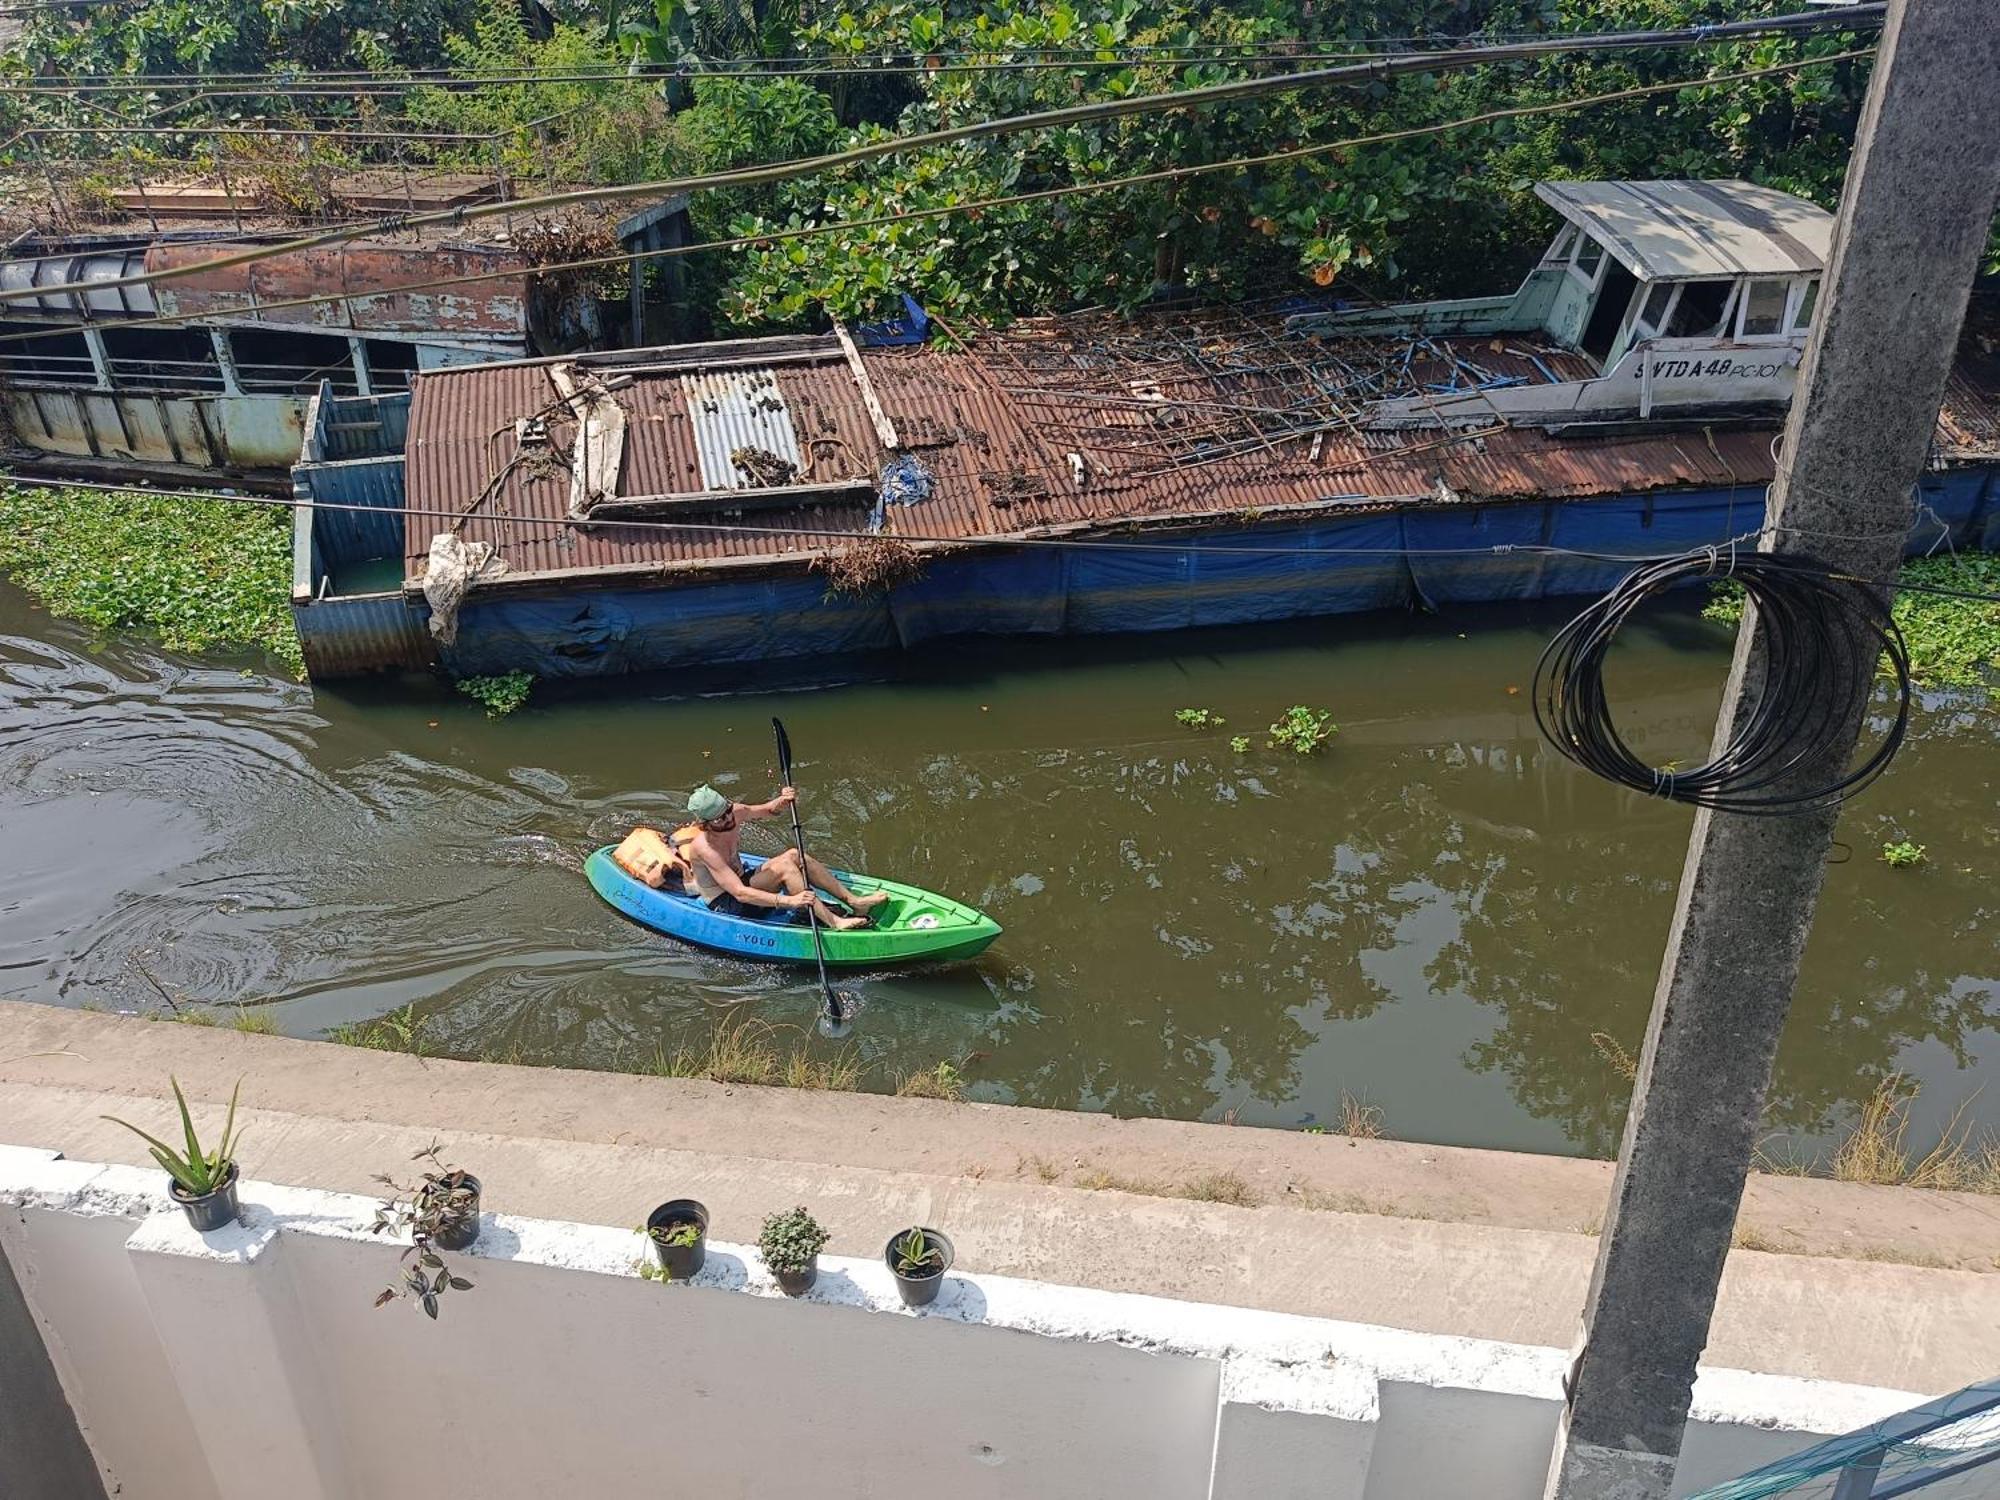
<point>1437,916</point>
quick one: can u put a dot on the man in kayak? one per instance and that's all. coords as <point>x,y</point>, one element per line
<point>715,865</point>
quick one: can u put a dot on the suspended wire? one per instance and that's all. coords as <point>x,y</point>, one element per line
<point>1239,89</point>
<point>1823,632</point>
<point>776,236</point>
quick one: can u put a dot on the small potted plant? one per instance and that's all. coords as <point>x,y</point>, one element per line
<point>202,1182</point>
<point>918,1258</point>
<point>678,1232</point>
<point>441,1212</point>
<point>790,1244</point>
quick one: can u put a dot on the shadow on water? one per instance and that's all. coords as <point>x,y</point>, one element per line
<point>1437,916</point>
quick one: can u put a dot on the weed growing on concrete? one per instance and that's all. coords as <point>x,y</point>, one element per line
<point>1043,1169</point>
<point>252,1022</point>
<point>200,575</point>
<point>746,1052</point>
<point>1362,1121</point>
<point>187,1015</point>
<point>500,695</point>
<point>1220,1187</point>
<point>1877,1149</point>
<point>402,1030</point>
<point>1748,1237</point>
<point>942,1082</point>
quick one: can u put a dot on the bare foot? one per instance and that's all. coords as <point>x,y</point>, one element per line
<point>847,924</point>
<point>869,902</point>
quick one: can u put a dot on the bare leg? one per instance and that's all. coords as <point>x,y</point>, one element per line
<point>829,882</point>
<point>781,872</point>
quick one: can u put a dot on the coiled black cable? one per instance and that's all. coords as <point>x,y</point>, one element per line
<point>1824,633</point>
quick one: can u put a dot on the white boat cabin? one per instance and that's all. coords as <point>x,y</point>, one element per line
<point>1693,298</point>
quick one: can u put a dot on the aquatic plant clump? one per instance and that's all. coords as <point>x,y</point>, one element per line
<point>1901,854</point>
<point>1199,718</point>
<point>1303,730</point>
<point>200,575</point>
<point>501,695</point>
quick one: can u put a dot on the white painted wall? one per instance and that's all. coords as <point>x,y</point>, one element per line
<point>249,1363</point>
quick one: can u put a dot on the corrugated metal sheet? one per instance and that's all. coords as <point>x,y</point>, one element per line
<point>349,536</point>
<point>1003,465</point>
<point>347,637</point>
<point>735,409</point>
<point>363,426</point>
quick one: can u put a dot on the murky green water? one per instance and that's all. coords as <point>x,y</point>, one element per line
<point>1437,916</point>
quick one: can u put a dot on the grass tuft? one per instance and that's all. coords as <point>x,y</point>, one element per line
<point>1877,1149</point>
<point>942,1082</point>
<point>1360,1120</point>
<point>402,1030</point>
<point>747,1051</point>
<point>253,1022</point>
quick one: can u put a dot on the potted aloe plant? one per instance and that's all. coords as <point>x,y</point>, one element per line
<point>202,1182</point>
<point>441,1212</point>
<point>918,1258</point>
<point>678,1233</point>
<point>790,1244</point>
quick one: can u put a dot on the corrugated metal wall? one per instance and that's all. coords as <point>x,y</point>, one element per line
<point>352,637</point>
<point>363,426</point>
<point>351,536</point>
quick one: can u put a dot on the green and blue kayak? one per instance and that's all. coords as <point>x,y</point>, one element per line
<point>913,926</point>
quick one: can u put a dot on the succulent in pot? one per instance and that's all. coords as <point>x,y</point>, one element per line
<point>790,1244</point>
<point>918,1258</point>
<point>202,1182</point>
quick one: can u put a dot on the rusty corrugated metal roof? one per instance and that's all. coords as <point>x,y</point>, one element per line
<point>1002,465</point>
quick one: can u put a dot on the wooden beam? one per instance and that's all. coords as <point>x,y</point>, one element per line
<point>885,430</point>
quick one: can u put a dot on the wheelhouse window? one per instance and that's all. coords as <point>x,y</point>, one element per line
<point>1764,307</point>
<point>1701,311</point>
<point>1653,313</point>
<point>161,359</point>
<point>1808,302</point>
<point>1588,266</point>
<point>390,364</point>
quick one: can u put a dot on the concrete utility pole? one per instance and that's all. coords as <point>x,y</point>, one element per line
<point>1919,199</point>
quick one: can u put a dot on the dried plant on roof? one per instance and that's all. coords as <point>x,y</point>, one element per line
<point>872,565</point>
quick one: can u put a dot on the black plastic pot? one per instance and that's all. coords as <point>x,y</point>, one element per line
<point>919,1291</point>
<point>460,1230</point>
<point>210,1210</point>
<point>680,1261</point>
<point>798,1283</point>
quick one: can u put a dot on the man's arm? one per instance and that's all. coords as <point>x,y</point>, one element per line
<point>752,812</point>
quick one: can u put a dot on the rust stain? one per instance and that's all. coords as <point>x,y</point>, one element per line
<point>370,275</point>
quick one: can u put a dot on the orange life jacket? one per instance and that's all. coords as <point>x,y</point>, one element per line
<point>647,856</point>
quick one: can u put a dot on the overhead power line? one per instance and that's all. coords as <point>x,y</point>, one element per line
<point>981,205</point>
<point>1380,70</point>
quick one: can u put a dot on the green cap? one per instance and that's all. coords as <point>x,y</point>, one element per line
<point>705,802</point>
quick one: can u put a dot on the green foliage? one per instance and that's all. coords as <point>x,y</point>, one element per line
<point>440,1202</point>
<point>1902,854</point>
<point>1198,718</point>
<point>1240,743</point>
<point>1952,642</point>
<point>201,575</point>
<point>196,1172</point>
<point>789,1240</point>
<point>401,1030</point>
<point>683,1234</point>
<point>501,695</point>
<point>917,1255</point>
<point>1303,730</point>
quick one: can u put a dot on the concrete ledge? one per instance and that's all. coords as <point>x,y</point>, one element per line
<point>1005,1387</point>
<point>1491,1249</point>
